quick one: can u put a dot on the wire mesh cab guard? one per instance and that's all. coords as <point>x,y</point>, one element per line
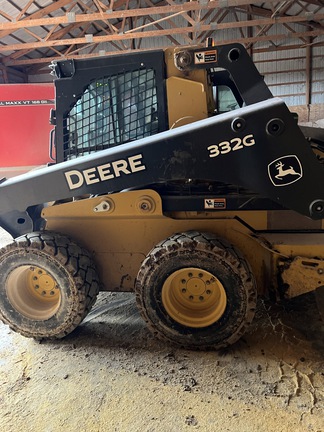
<point>105,102</point>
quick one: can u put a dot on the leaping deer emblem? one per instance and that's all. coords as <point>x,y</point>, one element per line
<point>284,172</point>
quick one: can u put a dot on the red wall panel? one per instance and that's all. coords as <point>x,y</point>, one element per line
<point>24,124</point>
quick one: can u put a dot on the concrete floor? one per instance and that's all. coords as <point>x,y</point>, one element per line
<point>111,374</point>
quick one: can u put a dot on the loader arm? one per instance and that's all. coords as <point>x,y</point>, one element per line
<point>259,146</point>
<point>244,147</point>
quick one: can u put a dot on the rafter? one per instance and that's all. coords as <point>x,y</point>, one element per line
<point>31,38</point>
<point>313,19</point>
<point>149,34</point>
<point>35,16</point>
<point>276,12</point>
<point>81,18</point>
<point>158,33</point>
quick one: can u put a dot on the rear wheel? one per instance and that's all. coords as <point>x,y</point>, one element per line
<point>196,291</point>
<point>48,284</point>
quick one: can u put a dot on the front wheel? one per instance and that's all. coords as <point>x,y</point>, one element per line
<point>196,291</point>
<point>48,284</point>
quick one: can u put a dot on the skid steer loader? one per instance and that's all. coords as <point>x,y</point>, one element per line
<point>178,176</point>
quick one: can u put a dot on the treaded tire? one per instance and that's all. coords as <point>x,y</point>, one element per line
<point>210,254</point>
<point>50,260</point>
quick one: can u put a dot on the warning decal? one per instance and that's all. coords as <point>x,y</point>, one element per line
<point>205,57</point>
<point>215,204</point>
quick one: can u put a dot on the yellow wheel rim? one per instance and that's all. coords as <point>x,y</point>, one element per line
<point>33,292</point>
<point>194,297</point>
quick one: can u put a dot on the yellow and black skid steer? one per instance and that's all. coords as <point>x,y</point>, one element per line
<point>177,176</point>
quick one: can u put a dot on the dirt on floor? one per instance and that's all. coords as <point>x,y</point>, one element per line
<point>111,374</point>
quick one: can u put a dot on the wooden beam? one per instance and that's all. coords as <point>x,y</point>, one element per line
<point>172,39</point>
<point>157,33</point>
<point>24,10</point>
<point>216,19</point>
<point>223,42</point>
<point>260,11</point>
<point>46,61</point>
<point>235,24</point>
<point>190,6</point>
<point>35,16</point>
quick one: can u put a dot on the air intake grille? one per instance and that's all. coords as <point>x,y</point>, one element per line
<point>112,110</point>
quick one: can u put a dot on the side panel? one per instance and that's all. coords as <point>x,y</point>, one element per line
<point>186,101</point>
<point>121,229</point>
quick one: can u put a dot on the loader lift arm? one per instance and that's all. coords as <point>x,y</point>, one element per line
<point>259,147</point>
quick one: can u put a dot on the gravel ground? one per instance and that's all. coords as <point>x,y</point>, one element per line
<point>111,374</point>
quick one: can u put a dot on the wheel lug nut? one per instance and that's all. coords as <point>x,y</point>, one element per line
<point>200,275</point>
<point>183,290</point>
<point>190,275</point>
<point>35,278</point>
<point>52,293</point>
<point>208,292</point>
<point>208,282</point>
<point>40,272</point>
<point>36,286</point>
<point>191,297</point>
<point>43,293</point>
<point>183,281</point>
<point>201,298</point>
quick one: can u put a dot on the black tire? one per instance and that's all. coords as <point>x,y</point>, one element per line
<point>193,267</point>
<point>48,284</point>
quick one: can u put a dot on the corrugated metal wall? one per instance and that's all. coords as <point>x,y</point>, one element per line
<point>318,75</point>
<point>286,75</point>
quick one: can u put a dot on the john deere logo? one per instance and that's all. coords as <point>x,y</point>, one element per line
<point>285,170</point>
